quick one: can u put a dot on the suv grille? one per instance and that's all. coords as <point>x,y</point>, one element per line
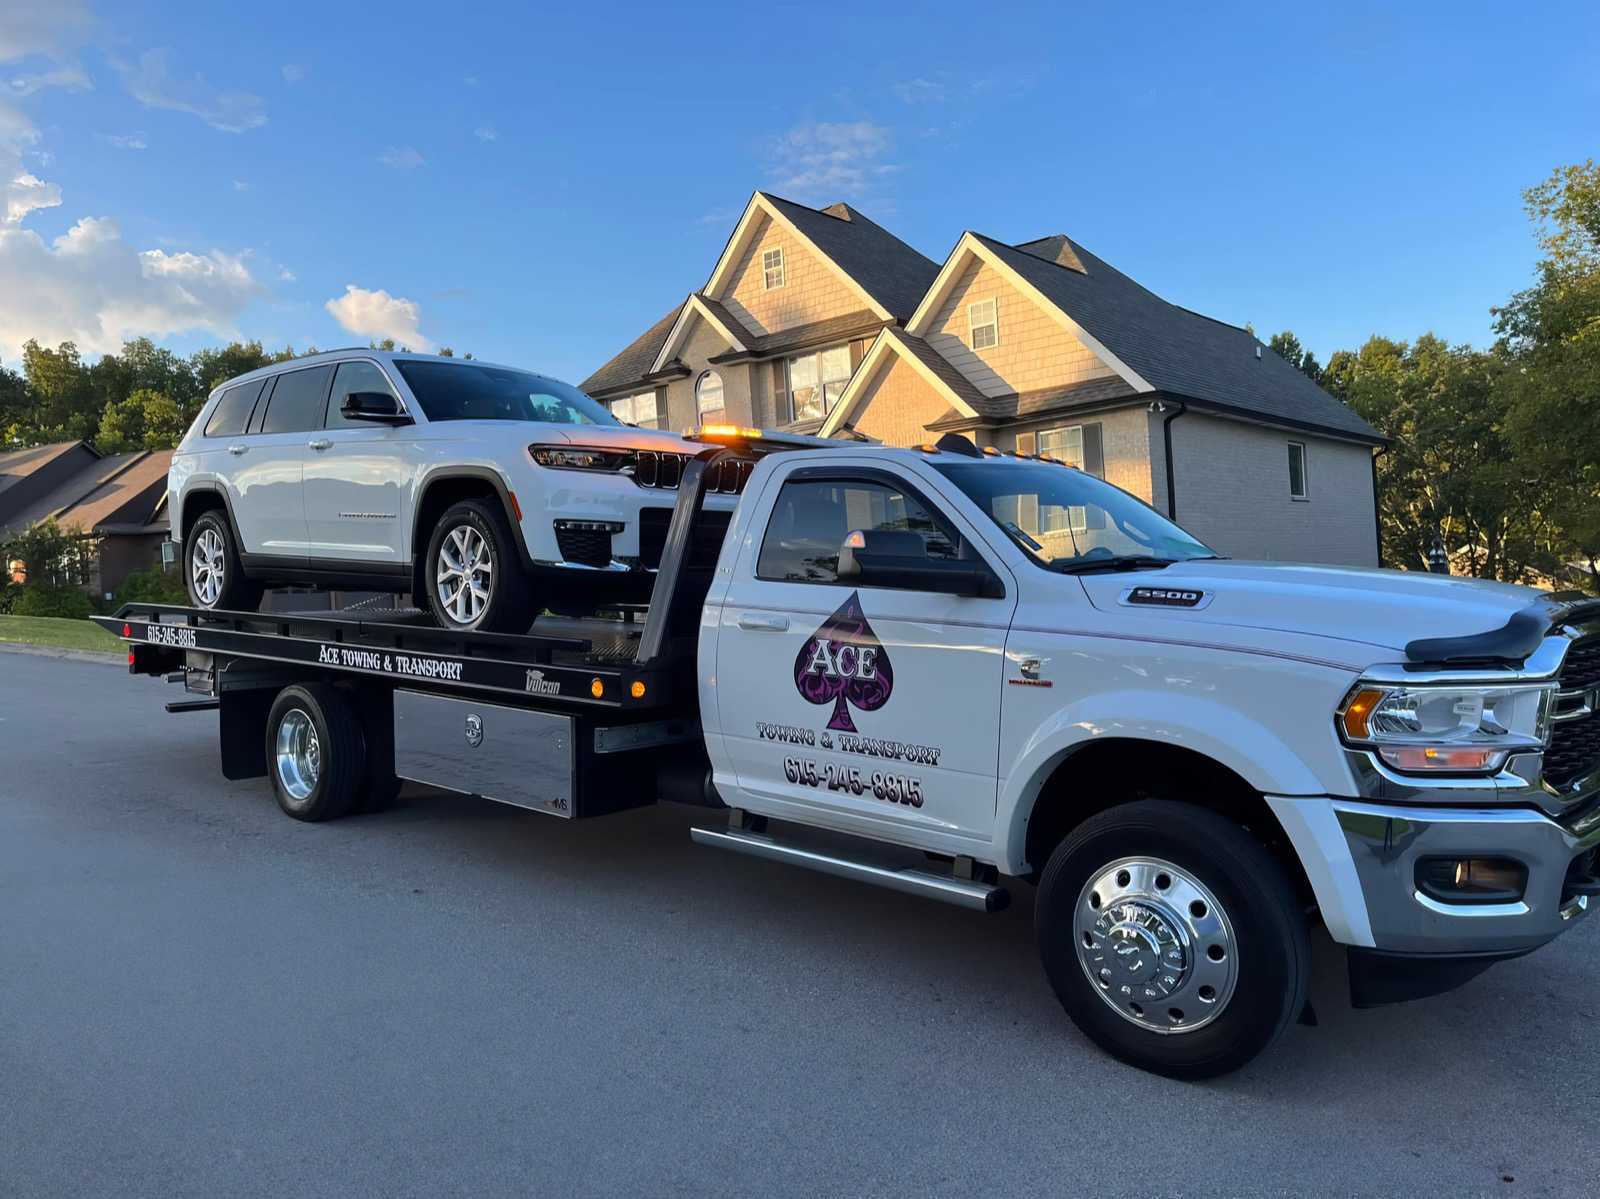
<point>1575,744</point>
<point>664,472</point>
<point>585,547</point>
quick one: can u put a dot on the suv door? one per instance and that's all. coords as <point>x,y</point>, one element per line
<point>864,708</point>
<point>266,481</point>
<point>358,478</point>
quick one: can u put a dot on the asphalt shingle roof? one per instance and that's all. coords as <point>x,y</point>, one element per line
<point>634,362</point>
<point>886,268</point>
<point>850,325</point>
<point>1173,349</point>
<point>108,489</point>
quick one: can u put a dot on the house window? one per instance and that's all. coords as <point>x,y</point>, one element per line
<point>817,380</point>
<point>1062,445</point>
<point>708,397</point>
<point>984,321</point>
<point>638,410</point>
<point>772,267</point>
<point>1076,445</point>
<point>1297,471</point>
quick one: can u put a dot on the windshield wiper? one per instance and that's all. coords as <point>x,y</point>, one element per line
<point>1119,562</point>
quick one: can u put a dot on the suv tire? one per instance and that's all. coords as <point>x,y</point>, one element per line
<point>1244,963</point>
<point>211,567</point>
<point>472,574</point>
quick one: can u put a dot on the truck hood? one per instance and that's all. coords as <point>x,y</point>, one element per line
<point>1386,608</point>
<point>626,437</point>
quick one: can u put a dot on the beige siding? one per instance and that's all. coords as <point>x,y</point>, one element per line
<point>898,406</point>
<point>1034,351</point>
<point>1124,440</point>
<point>1232,481</point>
<point>703,343</point>
<point>812,289</point>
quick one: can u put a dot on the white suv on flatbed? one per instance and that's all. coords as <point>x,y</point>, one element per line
<point>487,492</point>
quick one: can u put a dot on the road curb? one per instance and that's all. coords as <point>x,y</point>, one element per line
<point>72,655</point>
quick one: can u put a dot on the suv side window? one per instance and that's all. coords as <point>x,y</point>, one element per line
<point>357,375</point>
<point>813,517</point>
<point>297,401</point>
<point>232,412</point>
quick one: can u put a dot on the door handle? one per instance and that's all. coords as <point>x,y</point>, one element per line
<point>236,450</point>
<point>758,623</point>
<point>319,443</point>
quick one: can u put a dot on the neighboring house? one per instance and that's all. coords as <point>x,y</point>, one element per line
<point>115,502</point>
<point>1038,348</point>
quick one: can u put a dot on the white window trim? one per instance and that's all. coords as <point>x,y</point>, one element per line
<point>1305,475</point>
<point>821,383</point>
<point>766,271</point>
<point>699,402</point>
<point>973,324</point>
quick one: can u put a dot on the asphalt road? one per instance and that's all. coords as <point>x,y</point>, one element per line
<point>199,996</point>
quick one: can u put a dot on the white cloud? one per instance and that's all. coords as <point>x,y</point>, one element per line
<point>285,275</point>
<point>152,84</point>
<point>486,133</point>
<point>125,141</point>
<point>831,159</point>
<point>71,76</point>
<point>402,158</point>
<point>90,287</point>
<point>39,26</point>
<point>377,314</point>
<point>920,91</point>
<point>293,72</point>
<point>21,191</point>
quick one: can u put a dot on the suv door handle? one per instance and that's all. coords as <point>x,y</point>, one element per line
<point>319,443</point>
<point>757,623</point>
<point>236,450</point>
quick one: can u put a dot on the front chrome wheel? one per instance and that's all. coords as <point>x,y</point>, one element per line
<point>298,754</point>
<point>207,567</point>
<point>464,574</point>
<point>1156,945</point>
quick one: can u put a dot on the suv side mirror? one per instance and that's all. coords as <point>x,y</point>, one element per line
<point>899,560</point>
<point>378,407</point>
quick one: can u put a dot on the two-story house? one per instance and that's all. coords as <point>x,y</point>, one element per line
<point>821,320</point>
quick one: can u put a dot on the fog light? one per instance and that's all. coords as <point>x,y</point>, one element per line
<point>1472,880</point>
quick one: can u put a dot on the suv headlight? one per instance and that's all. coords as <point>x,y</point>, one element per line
<point>1444,729</point>
<point>579,457</point>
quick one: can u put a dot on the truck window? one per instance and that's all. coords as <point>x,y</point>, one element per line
<point>297,401</point>
<point>228,418</point>
<point>812,518</point>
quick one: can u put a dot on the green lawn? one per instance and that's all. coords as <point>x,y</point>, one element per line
<point>63,634</point>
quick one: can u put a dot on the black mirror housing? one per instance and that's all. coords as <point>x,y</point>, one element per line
<point>899,561</point>
<point>378,407</point>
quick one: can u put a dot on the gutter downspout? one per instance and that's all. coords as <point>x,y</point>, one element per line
<point>1166,441</point>
<point>1377,518</point>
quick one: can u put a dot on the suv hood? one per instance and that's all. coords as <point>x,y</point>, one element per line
<point>625,437</point>
<point>1386,608</point>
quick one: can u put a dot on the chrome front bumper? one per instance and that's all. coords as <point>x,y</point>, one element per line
<point>1362,860</point>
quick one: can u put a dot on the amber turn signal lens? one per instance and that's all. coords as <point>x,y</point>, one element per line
<point>1358,711</point>
<point>637,690</point>
<point>597,688</point>
<point>1438,758</point>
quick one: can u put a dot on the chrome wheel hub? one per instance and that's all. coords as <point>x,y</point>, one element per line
<point>299,754</point>
<point>464,574</point>
<point>1156,945</point>
<point>206,567</point>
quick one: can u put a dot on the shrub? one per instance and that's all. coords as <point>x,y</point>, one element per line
<point>151,587</point>
<point>9,592</point>
<point>38,599</point>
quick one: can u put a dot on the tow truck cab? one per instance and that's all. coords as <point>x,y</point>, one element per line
<point>1021,671</point>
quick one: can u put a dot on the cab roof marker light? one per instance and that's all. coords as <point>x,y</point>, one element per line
<point>740,432</point>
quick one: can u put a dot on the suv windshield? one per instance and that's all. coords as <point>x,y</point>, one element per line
<point>468,391</point>
<point>1067,520</point>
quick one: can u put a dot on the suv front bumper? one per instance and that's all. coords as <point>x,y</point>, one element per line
<point>1362,861</point>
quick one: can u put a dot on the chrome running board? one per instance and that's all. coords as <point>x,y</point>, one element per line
<point>980,897</point>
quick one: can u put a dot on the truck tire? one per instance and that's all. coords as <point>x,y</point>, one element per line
<point>316,755</point>
<point>211,567</point>
<point>1173,938</point>
<point>472,574</point>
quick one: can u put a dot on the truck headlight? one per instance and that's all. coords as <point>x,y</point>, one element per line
<point>1445,729</point>
<point>578,457</point>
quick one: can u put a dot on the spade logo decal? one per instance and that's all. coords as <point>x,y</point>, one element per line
<point>844,664</point>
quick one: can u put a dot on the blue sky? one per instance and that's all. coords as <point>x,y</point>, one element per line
<point>538,188</point>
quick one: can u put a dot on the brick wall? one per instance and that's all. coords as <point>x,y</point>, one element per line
<point>898,406</point>
<point>812,289</point>
<point>1232,480</point>
<point>1034,350</point>
<point>1124,440</point>
<point>702,343</point>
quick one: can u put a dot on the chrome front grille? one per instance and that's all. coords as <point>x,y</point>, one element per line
<point>1574,751</point>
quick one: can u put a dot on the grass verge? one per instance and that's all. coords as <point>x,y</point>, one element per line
<point>58,634</point>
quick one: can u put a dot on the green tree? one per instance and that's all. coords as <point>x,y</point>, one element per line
<point>62,404</point>
<point>212,367</point>
<point>1287,346</point>
<point>146,420</point>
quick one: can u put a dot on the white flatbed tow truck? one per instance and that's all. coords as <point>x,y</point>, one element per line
<point>1020,672</point>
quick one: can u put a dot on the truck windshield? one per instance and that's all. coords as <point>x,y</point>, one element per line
<point>468,391</point>
<point>1067,520</point>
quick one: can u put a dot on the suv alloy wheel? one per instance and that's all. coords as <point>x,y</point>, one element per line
<point>211,567</point>
<point>473,575</point>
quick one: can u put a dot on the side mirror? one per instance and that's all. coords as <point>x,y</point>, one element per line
<point>899,560</point>
<point>379,407</point>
